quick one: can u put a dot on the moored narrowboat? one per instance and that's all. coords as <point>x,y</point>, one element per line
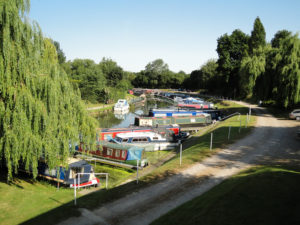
<point>151,141</point>
<point>215,113</point>
<point>198,120</point>
<point>66,175</point>
<point>109,133</point>
<point>115,152</point>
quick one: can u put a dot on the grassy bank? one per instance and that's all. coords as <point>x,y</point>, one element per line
<point>25,199</point>
<point>198,147</point>
<point>261,195</point>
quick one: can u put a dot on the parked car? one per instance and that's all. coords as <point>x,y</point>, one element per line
<point>295,114</point>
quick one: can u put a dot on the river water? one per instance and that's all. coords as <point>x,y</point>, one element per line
<point>111,120</point>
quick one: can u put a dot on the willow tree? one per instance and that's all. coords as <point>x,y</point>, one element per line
<point>288,71</point>
<point>41,116</point>
<point>251,68</point>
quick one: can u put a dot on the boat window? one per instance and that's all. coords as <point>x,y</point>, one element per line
<point>141,139</point>
<point>109,151</point>
<point>117,153</point>
<point>125,140</point>
<point>74,171</point>
<point>123,154</point>
<point>118,139</point>
<point>135,139</point>
<point>155,138</point>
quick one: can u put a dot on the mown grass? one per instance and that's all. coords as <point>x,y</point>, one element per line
<point>117,175</point>
<point>261,195</point>
<point>25,199</point>
<point>195,149</point>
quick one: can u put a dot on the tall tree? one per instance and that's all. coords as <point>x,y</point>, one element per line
<point>112,71</point>
<point>258,36</point>
<point>157,66</point>
<point>231,49</point>
<point>89,78</point>
<point>288,72</point>
<point>251,68</point>
<point>40,113</point>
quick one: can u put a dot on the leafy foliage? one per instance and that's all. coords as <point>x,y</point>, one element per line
<point>231,50</point>
<point>158,75</point>
<point>103,82</point>
<point>40,113</point>
<point>203,78</point>
<point>258,36</point>
<point>248,67</point>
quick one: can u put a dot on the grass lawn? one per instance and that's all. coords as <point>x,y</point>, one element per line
<point>25,199</point>
<point>116,176</point>
<point>261,195</point>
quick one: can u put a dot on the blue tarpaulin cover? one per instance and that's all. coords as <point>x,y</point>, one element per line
<point>135,153</point>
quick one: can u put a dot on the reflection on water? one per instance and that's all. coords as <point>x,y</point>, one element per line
<point>111,120</point>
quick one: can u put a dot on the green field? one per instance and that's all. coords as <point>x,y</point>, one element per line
<point>261,195</point>
<point>25,199</point>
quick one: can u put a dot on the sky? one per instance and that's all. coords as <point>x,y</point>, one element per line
<point>133,33</point>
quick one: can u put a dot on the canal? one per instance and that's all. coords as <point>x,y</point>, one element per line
<point>112,120</point>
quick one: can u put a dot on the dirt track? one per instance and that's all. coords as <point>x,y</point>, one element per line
<point>273,140</point>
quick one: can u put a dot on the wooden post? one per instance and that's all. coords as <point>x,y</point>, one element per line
<point>106,180</point>
<point>229,132</point>
<point>137,171</point>
<point>249,112</point>
<point>211,139</point>
<point>75,190</point>
<point>180,152</point>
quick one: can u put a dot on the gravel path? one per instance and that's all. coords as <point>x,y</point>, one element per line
<point>273,140</point>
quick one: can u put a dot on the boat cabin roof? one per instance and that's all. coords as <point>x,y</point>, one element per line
<point>122,101</point>
<point>137,134</point>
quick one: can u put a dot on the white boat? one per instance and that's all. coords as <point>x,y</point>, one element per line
<point>151,141</point>
<point>121,106</point>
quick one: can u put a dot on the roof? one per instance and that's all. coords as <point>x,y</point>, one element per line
<point>120,146</point>
<point>137,134</point>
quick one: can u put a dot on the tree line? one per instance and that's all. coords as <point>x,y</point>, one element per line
<point>250,68</point>
<point>247,67</point>
<point>107,82</point>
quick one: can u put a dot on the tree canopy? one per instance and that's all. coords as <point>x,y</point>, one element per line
<point>158,75</point>
<point>41,115</point>
<point>258,36</point>
<point>249,67</point>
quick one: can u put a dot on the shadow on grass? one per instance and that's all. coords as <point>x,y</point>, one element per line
<point>262,195</point>
<point>90,201</point>
<point>21,176</point>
